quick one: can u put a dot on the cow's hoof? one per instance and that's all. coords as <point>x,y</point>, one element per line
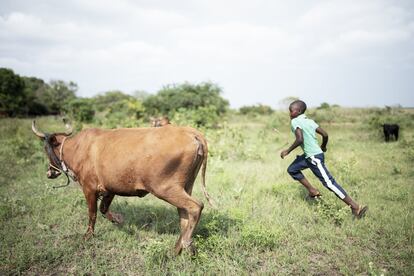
<point>116,218</point>
<point>189,248</point>
<point>192,250</point>
<point>188,251</point>
<point>88,235</point>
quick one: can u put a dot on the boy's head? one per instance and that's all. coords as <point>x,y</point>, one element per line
<point>297,108</point>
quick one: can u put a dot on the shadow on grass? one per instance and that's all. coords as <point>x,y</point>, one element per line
<point>165,220</point>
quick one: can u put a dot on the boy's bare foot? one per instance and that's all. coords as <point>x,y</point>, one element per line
<point>313,193</point>
<point>360,212</point>
<point>313,196</point>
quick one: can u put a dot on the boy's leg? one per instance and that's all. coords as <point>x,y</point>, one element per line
<point>295,169</point>
<point>313,192</point>
<point>317,165</point>
<point>319,169</point>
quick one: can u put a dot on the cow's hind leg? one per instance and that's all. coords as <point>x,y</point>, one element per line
<point>182,213</point>
<point>191,210</point>
<point>104,208</point>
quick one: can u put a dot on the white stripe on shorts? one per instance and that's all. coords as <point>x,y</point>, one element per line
<point>325,176</point>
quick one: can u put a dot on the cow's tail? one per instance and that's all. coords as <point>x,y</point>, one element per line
<point>203,170</point>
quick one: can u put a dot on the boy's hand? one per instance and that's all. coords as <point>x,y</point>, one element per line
<point>325,138</point>
<point>284,153</point>
<point>297,143</point>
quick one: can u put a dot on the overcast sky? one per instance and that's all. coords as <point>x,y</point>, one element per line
<point>350,52</point>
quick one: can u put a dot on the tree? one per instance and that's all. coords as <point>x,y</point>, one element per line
<point>256,109</point>
<point>12,97</point>
<point>81,109</point>
<point>141,95</point>
<point>109,99</point>
<point>189,96</point>
<point>58,95</point>
<point>324,105</point>
<point>285,102</point>
<point>34,90</point>
<point>118,109</point>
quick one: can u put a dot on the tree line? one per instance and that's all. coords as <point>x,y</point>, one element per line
<point>22,96</point>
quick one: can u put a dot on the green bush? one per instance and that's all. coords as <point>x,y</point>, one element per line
<point>116,109</point>
<point>379,116</point>
<point>259,109</point>
<point>324,105</point>
<point>125,113</point>
<point>202,116</point>
<point>81,110</point>
<point>324,115</point>
<point>328,209</point>
<point>186,96</point>
<point>110,99</point>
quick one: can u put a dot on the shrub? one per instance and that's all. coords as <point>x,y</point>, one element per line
<point>186,96</point>
<point>259,109</point>
<point>327,208</point>
<point>203,116</point>
<point>324,105</point>
<point>125,113</point>
<point>108,99</point>
<point>81,110</point>
<point>117,109</point>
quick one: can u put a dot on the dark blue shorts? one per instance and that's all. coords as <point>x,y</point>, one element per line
<point>317,165</point>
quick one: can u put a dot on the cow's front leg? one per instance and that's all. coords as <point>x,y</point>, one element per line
<point>91,200</point>
<point>104,208</point>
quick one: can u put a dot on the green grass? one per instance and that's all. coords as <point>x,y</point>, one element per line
<point>263,222</point>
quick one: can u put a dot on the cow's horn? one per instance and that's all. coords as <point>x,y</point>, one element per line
<point>68,131</point>
<point>38,133</point>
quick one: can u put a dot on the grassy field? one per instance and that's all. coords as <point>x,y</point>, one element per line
<point>263,222</point>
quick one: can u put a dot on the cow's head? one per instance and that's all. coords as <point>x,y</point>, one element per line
<point>52,143</point>
<point>160,121</point>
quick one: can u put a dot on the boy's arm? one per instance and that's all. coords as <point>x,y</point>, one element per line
<point>325,138</point>
<point>298,142</point>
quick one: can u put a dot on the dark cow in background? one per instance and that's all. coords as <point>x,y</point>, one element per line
<point>390,130</point>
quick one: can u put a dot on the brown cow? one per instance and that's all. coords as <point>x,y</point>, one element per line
<point>133,162</point>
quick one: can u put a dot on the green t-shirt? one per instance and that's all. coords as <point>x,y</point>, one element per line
<point>310,144</point>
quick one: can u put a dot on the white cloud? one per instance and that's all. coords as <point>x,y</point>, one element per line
<point>353,41</point>
<point>243,45</point>
<point>345,28</point>
<point>232,42</point>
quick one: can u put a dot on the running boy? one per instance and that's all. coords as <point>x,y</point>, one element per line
<point>313,158</point>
